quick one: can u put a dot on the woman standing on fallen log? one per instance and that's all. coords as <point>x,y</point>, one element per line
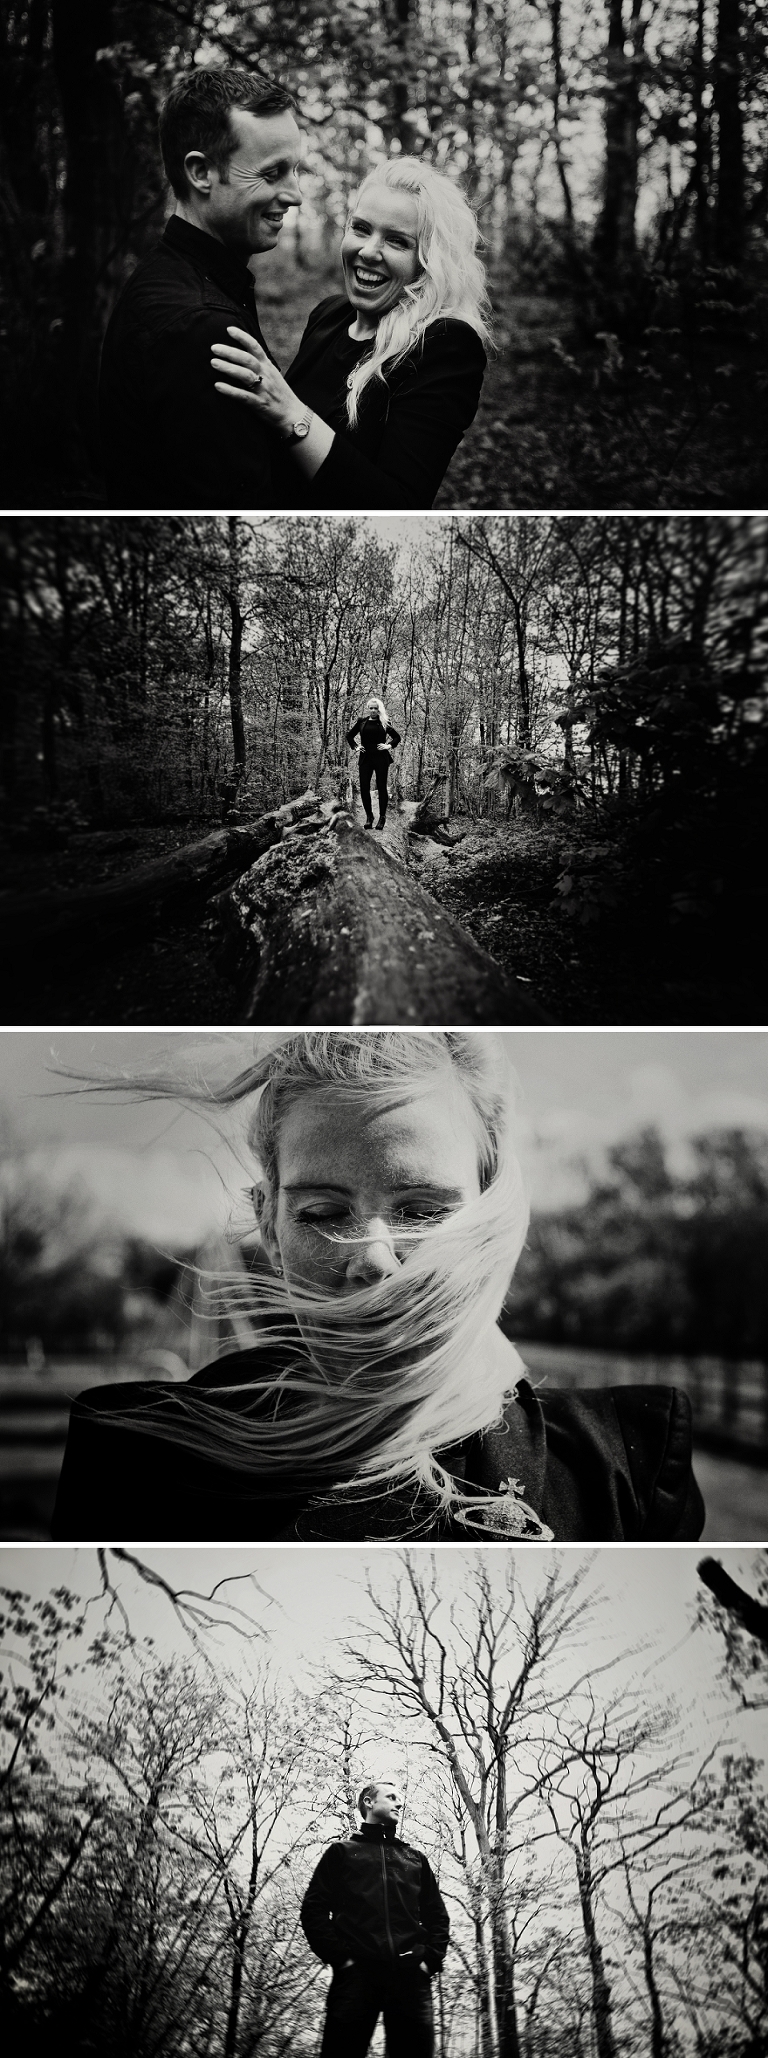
<point>376,734</point>
<point>380,1397</point>
<point>388,374</point>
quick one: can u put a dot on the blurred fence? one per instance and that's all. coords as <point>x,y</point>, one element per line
<point>729,1398</point>
<point>729,1401</point>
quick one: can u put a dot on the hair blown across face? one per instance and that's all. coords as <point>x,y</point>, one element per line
<point>366,1388</point>
<point>451,280</point>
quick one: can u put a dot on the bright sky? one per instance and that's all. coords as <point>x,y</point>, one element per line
<point>164,1172</point>
<point>310,1596</point>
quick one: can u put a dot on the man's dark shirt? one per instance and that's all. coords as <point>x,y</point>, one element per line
<point>168,438</point>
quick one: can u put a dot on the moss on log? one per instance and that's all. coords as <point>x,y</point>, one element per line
<point>331,929</point>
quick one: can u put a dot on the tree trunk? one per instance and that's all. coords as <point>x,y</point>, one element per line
<point>729,218</point>
<point>237,620</point>
<point>434,809</point>
<point>555,18</point>
<point>601,1992</point>
<point>701,161</point>
<point>402,89</point>
<point>524,726</point>
<point>658,2035</point>
<point>503,1980</point>
<point>240,1935</point>
<point>331,929</point>
<point>615,233</point>
<point>92,120</point>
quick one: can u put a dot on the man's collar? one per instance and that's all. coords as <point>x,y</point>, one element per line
<point>378,1832</point>
<point>218,262</point>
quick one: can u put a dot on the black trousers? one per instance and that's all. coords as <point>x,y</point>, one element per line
<point>361,1993</point>
<point>377,763</point>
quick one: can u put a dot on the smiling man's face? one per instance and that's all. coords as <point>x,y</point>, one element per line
<point>246,208</point>
<point>385,1805</point>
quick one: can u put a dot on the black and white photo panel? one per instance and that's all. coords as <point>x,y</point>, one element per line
<point>482,1801</point>
<point>393,771</point>
<point>488,257</point>
<point>360,1285</point>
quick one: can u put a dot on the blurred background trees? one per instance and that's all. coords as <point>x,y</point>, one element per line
<point>656,1260</point>
<point>615,154</point>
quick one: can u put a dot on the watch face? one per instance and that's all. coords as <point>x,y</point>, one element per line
<point>301,429</point>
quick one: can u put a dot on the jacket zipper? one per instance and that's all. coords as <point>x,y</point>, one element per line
<point>390,1938</point>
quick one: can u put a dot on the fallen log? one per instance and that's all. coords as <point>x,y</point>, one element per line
<point>330,929</point>
<point>196,871</point>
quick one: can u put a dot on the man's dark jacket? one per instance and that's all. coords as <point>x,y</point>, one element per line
<point>376,1900</point>
<point>168,438</point>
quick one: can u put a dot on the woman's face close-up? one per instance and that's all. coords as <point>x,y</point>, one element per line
<point>355,1183</point>
<point>380,249</point>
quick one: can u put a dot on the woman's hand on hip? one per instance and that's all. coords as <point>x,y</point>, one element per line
<point>244,372</point>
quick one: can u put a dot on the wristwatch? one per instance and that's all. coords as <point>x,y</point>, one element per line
<point>298,430</point>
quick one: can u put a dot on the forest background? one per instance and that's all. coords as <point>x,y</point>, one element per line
<point>578,1744</point>
<point>586,696</point>
<point>615,152</point>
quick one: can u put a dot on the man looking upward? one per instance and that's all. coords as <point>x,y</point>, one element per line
<point>373,1912</point>
<point>230,144</point>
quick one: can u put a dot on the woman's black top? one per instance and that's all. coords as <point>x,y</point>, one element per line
<point>372,732</point>
<point>407,429</point>
<point>611,1464</point>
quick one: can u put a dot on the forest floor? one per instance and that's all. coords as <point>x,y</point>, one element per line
<point>568,418</point>
<point>499,881</point>
<point>168,976</point>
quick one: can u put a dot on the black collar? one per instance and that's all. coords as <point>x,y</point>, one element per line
<point>378,1832</point>
<point>216,260</point>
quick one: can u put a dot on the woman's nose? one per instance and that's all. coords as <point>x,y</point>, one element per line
<point>374,1257</point>
<point>371,245</point>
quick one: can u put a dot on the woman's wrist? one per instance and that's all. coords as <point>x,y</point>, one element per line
<point>310,451</point>
<point>292,413</point>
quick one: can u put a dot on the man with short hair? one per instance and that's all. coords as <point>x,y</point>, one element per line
<point>230,144</point>
<point>373,1912</point>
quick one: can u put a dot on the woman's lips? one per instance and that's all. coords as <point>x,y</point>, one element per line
<point>363,277</point>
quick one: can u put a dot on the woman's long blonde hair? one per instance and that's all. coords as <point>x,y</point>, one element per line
<point>374,701</point>
<point>368,1387</point>
<point>451,280</point>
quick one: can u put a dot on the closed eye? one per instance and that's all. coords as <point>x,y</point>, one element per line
<point>323,1211</point>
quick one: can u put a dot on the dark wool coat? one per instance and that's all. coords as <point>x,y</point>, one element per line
<point>608,1464</point>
